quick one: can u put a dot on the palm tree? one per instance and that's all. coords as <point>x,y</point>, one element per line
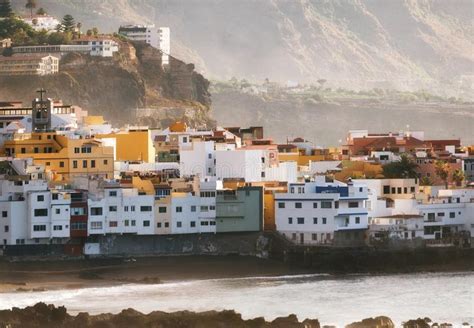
<point>442,171</point>
<point>458,177</point>
<point>404,168</point>
<point>31,4</point>
<point>79,25</point>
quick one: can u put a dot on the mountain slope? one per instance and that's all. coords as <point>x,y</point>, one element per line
<point>358,43</point>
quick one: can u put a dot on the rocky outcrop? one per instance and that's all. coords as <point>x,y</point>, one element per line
<point>42,315</point>
<point>377,322</point>
<point>134,78</point>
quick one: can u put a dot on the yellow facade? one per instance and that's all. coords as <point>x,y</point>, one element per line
<point>62,156</point>
<point>133,145</point>
<point>142,185</point>
<point>301,160</point>
<point>94,120</point>
<point>359,169</point>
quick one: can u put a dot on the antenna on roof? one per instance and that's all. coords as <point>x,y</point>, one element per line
<point>41,92</point>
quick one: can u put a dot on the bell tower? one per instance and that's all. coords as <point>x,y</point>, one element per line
<point>41,113</point>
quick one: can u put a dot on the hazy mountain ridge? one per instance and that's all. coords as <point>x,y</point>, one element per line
<point>357,43</point>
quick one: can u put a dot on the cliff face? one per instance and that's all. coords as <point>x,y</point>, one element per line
<point>116,87</point>
<point>408,44</point>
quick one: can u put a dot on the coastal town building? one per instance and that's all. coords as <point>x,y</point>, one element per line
<point>157,37</point>
<point>42,22</point>
<point>317,212</point>
<point>41,64</point>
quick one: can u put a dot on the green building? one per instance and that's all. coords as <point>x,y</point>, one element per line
<point>239,210</point>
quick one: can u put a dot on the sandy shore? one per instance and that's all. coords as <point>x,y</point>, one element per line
<point>47,275</point>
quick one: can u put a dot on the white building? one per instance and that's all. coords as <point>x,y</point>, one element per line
<point>121,211</point>
<point>401,226</point>
<point>99,46</point>
<point>197,158</point>
<point>312,212</point>
<point>42,22</point>
<point>157,37</point>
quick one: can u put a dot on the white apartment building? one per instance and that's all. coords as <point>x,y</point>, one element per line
<point>42,22</point>
<point>253,165</point>
<point>99,46</point>
<point>157,37</point>
<point>121,211</point>
<point>197,158</point>
<point>401,226</point>
<point>312,212</point>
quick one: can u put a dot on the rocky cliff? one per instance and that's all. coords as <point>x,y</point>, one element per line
<point>133,79</point>
<point>409,44</point>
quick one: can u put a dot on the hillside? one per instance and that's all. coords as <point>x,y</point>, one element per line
<point>116,87</point>
<point>408,44</point>
<point>326,121</point>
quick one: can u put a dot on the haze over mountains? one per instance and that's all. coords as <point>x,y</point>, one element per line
<point>409,44</point>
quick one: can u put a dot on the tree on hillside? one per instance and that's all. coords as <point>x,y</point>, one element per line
<point>5,9</point>
<point>31,4</point>
<point>68,24</point>
<point>426,181</point>
<point>404,168</point>
<point>41,12</point>
<point>458,177</point>
<point>89,33</point>
<point>95,31</point>
<point>20,32</point>
<point>442,171</point>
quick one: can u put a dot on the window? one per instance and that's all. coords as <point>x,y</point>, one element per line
<point>146,223</point>
<point>58,211</point>
<point>179,209</point>
<point>326,204</point>
<point>113,193</point>
<point>132,208</point>
<point>158,225</point>
<point>212,208</point>
<point>55,196</point>
<point>315,220</point>
<point>6,228</point>
<point>127,223</point>
<point>394,190</point>
<point>314,236</point>
<point>93,163</point>
<point>262,175</point>
<point>324,220</point>
<point>193,224</point>
<point>386,189</point>
<point>204,209</point>
<point>36,150</point>
<point>357,220</point>
<point>281,205</point>
<point>209,156</point>
<point>336,204</point>
<point>290,220</point>
<point>48,163</point>
<point>125,208</point>
<point>74,164</point>
<point>353,204</point>
<point>41,212</point>
<point>23,150</point>
<point>39,227</point>
<point>399,190</point>
<point>204,223</point>
<point>405,190</point>
<point>315,205</point>
<point>300,220</point>
<point>96,225</point>
<point>162,209</point>
<point>77,150</point>
<point>113,224</point>
<point>193,208</point>
<point>298,205</point>
<point>96,210</point>
<point>57,227</point>
<point>167,224</point>
<point>40,198</point>
<point>134,223</point>
<point>112,208</point>
<point>412,189</point>
<point>106,162</point>
<point>452,215</point>
<point>146,208</point>
<point>441,214</point>
<point>179,224</point>
<point>4,214</point>
<point>80,211</point>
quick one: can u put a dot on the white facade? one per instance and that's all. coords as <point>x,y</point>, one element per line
<point>311,212</point>
<point>405,227</point>
<point>157,37</point>
<point>121,211</point>
<point>197,158</point>
<point>42,22</point>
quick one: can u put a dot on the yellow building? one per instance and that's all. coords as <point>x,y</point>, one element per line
<point>132,145</point>
<point>62,156</point>
<point>359,169</point>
